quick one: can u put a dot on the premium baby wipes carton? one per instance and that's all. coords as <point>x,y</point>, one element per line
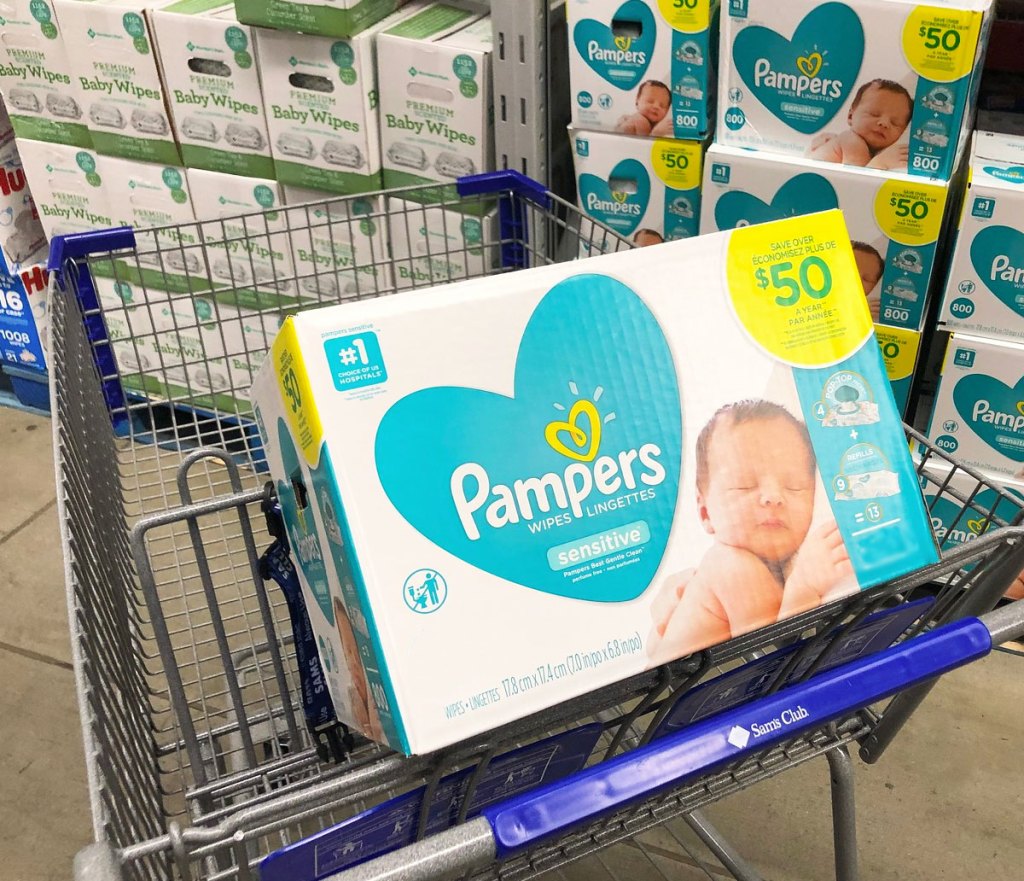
<point>896,222</point>
<point>979,405</point>
<point>546,451</point>
<point>340,246</point>
<point>643,68</point>
<point>42,94</point>
<point>436,112</point>
<point>882,84</point>
<point>114,60</point>
<point>328,18</point>
<point>69,187</point>
<point>430,245</point>
<point>320,95</point>
<point>985,289</point>
<point>21,234</point>
<point>646,190</point>
<point>213,87</point>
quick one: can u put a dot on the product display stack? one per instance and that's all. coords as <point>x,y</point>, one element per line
<point>864,105</point>
<point>642,83</point>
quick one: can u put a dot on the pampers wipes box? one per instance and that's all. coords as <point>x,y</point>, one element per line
<point>487,485</point>
<point>985,289</point>
<point>895,222</point>
<point>42,94</point>
<point>642,68</point>
<point>113,58</point>
<point>880,83</point>
<point>646,190</point>
<point>979,405</point>
<point>213,87</point>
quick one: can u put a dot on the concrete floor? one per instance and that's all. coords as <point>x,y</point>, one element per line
<point>945,803</point>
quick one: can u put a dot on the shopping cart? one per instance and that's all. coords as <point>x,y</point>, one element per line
<point>200,762</point>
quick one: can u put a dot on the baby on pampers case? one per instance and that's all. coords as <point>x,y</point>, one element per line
<point>499,488</point>
<point>882,84</point>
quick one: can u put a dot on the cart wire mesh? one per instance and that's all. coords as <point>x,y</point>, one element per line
<point>198,759</point>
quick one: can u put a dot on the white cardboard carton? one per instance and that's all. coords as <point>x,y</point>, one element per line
<point>113,57</point>
<point>643,68</point>
<point>320,95</point>
<point>328,18</point>
<point>646,190</point>
<point>884,84</point>
<point>979,406</point>
<point>896,222</point>
<point>213,88</point>
<point>500,474</point>
<point>985,289</point>
<point>21,234</point>
<point>42,93</point>
<point>436,111</point>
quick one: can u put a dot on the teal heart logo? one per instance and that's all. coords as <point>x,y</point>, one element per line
<point>994,411</point>
<point>569,485</point>
<point>997,254</point>
<point>619,59</point>
<point>619,202</point>
<point>806,80</point>
<point>803,194</point>
<point>1014,174</point>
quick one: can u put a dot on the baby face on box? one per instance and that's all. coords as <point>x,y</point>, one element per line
<point>869,83</point>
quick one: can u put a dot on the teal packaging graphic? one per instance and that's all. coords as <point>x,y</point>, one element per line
<point>895,222</point>
<point>501,480</point>
<point>645,190</point>
<point>979,405</point>
<point>643,68</point>
<point>876,84</point>
<point>985,288</point>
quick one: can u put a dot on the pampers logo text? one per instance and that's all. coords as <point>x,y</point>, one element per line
<point>799,85</point>
<point>530,498</point>
<point>618,204</point>
<point>621,54</point>
<point>983,411</point>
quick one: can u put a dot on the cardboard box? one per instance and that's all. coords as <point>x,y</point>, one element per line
<point>340,246</point>
<point>24,325</point>
<point>896,222</point>
<point>663,50</point>
<point>430,245</point>
<point>70,187</point>
<point>979,406</point>
<point>328,18</point>
<point>21,234</point>
<point>985,290</point>
<point>42,93</point>
<point>114,59</point>
<point>213,88</point>
<point>436,109</point>
<point>320,95</point>
<point>646,190</point>
<point>883,84</point>
<point>483,476</point>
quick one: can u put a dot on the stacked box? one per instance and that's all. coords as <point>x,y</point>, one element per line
<point>883,84</point>
<point>114,60</point>
<point>328,18</point>
<point>436,111</point>
<point>643,68</point>
<point>21,233</point>
<point>37,80</point>
<point>213,88</point>
<point>648,191</point>
<point>24,327</point>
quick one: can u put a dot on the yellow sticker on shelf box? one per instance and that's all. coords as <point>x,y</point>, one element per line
<point>296,392</point>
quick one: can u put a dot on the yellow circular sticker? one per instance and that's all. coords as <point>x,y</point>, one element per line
<point>910,213</point>
<point>796,290</point>
<point>899,350</point>
<point>688,16</point>
<point>677,163</point>
<point>939,44</point>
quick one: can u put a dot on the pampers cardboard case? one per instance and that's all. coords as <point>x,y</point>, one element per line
<point>505,492</point>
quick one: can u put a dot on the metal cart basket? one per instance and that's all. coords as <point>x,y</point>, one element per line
<point>199,761</point>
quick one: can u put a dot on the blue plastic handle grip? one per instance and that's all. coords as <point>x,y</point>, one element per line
<point>524,821</point>
<point>493,182</point>
<point>80,244</point>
